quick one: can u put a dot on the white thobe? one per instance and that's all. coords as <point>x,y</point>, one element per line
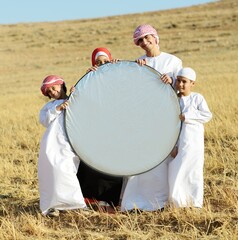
<point>186,169</point>
<point>149,191</point>
<point>165,63</point>
<point>57,166</point>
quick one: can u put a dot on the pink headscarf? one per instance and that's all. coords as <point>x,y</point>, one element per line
<point>143,30</point>
<point>50,81</point>
<point>98,52</point>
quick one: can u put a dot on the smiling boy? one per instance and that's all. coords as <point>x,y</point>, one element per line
<point>186,169</point>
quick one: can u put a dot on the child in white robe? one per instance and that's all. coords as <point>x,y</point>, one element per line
<point>150,190</point>
<point>57,166</point>
<point>186,169</point>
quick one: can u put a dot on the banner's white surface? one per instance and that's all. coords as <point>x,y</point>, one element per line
<point>122,119</point>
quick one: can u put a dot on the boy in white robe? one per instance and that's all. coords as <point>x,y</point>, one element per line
<point>57,164</point>
<point>186,169</point>
<point>149,191</point>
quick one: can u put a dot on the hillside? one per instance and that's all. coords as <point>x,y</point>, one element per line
<point>205,37</point>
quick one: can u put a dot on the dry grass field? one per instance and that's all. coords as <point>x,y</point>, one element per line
<point>205,37</point>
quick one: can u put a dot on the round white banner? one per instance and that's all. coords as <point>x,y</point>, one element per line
<point>122,119</point>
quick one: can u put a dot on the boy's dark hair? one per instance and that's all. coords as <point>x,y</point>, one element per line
<point>64,88</point>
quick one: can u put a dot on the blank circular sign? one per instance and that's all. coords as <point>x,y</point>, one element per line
<point>122,119</point>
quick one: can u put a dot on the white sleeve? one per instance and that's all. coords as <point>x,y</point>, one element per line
<point>48,113</point>
<point>202,114</point>
<point>177,68</point>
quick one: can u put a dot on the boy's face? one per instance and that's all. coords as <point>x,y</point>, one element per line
<point>54,91</point>
<point>184,85</point>
<point>147,42</point>
<point>101,60</point>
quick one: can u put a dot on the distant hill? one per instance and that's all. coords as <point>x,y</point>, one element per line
<point>36,49</point>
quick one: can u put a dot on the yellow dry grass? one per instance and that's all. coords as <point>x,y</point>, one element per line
<point>205,37</point>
